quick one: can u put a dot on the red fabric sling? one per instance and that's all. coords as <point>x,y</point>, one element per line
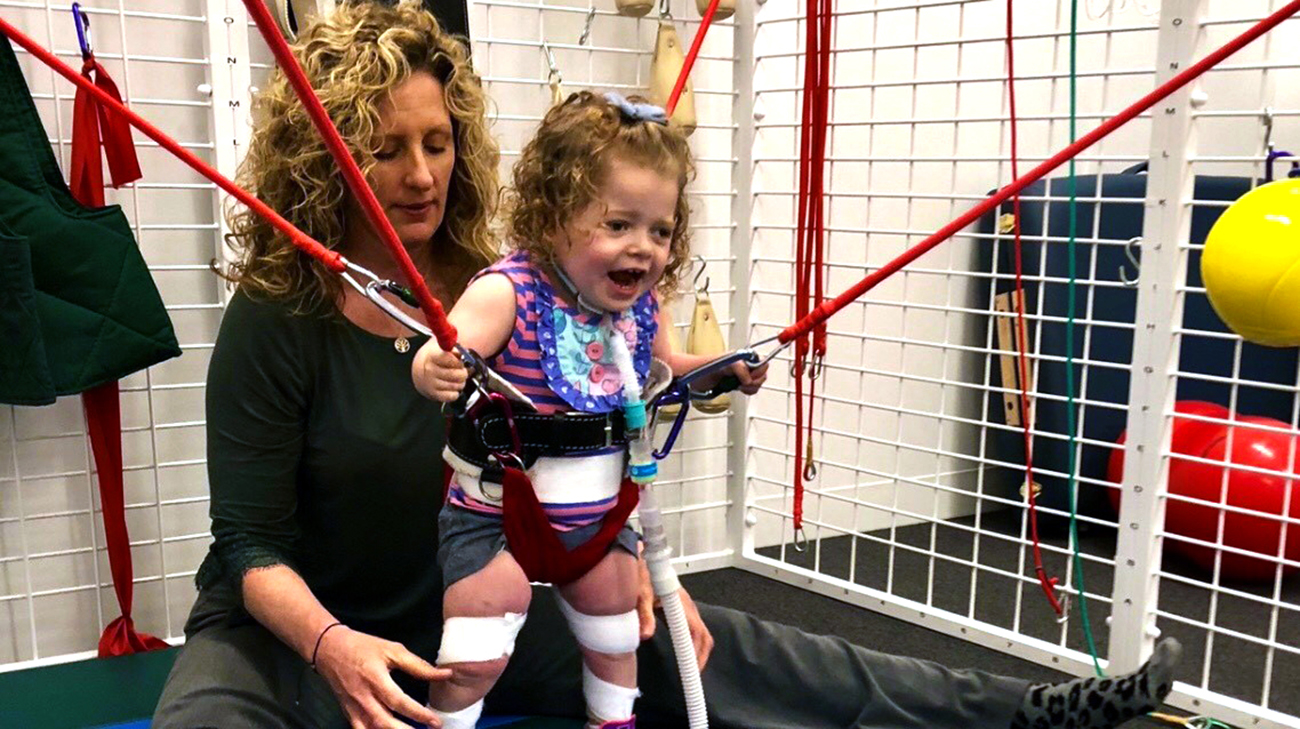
<point>103,403</point>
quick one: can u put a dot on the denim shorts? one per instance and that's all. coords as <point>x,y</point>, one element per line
<point>468,540</point>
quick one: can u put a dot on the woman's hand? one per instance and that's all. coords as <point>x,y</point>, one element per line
<point>646,602</point>
<point>357,667</point>
<point>438,375</point>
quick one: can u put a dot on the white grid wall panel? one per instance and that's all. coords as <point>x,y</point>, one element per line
<point>1235,629</point>
<point>915,511</point>
<point>56,594</point>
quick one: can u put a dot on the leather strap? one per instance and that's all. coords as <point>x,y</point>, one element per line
<point>561,434</point>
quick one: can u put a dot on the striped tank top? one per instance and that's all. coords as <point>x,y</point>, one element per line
<point>558,356</point>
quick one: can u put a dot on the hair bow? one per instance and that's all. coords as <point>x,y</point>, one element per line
<point>637,112</point>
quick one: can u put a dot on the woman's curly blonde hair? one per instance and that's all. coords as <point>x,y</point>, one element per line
<point>354,58</point>
<point>561,170</point>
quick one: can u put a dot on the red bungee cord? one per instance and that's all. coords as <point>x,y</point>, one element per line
<point>1022,350</point>
<point>689,62</point>
<point>801,327</point>
<point>810,244</point>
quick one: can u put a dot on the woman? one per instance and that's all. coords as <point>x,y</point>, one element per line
<point>319,602</point>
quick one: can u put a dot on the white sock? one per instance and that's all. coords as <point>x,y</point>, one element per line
<point>466,718</point>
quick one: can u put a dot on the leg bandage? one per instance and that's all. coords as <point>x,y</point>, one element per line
<point>466,718</point>
<point>606,702</point>
<point>610,634</point>
<point>469,640</point>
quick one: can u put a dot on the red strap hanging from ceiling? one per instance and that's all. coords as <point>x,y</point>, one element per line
<point>810,239</point>
<point>93,129</point>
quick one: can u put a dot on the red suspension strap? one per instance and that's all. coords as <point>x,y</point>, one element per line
<point>331,259</point>
<point>433,312</point>
<point>1022,340</point>
<point>824,311</point>
<point>810,243</point>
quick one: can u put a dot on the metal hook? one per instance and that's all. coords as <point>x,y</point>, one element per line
<point>1268,130</point>
<point>695,282</point>
<point>1137,265</point>
<point>1064,617</point>
<point>550,62</point>
<point>83,31</point>
<point>800,540</point>
<point>586,27</point>
<point>664,12</point>
<point>816,366</point>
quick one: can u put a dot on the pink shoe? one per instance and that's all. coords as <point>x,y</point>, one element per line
<point>622,724</point>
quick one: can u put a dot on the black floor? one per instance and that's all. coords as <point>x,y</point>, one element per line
<point>1238,665</point>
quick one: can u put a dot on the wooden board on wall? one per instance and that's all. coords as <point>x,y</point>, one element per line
<point>1005,307</point>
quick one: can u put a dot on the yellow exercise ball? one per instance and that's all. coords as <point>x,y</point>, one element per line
<point>1251,265</point>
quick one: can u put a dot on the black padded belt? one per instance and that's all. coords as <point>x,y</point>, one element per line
<point>560,434</point>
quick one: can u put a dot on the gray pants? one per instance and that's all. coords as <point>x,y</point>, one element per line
<point>761,675</point>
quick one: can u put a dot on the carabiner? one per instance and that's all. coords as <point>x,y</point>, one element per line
<point>816,366</point>
<point>662,452</point>
<point>83,31</point>
<point>1065,610</point>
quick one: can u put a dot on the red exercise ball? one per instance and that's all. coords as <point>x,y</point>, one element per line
<point>1264,493</point>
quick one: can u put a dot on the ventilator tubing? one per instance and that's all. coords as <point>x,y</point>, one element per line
<point>664,580</point>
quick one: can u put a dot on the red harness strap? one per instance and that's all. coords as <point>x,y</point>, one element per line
<point>534,543</point>
<point>532,540</point>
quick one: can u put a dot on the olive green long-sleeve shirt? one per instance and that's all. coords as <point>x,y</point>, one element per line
<point>323,457</point>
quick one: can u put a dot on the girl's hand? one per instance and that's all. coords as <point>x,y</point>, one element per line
<point>750,380</point>
<point>358,669</point>
<point>438,375</point>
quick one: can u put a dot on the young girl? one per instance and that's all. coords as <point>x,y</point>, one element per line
<point>599,221</point>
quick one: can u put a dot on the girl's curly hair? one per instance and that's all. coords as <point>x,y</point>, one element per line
<point>561,170</point>
<point>354,58</point>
